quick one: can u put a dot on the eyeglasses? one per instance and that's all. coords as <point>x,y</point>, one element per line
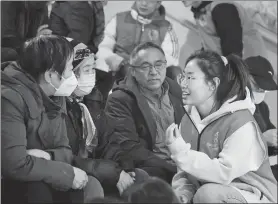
<point>82,53</point>
<point>146,67</point>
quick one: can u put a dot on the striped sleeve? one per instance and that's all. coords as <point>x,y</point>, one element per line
<point>170,45</point>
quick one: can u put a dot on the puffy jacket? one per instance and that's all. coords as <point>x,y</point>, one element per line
<point>134,130</point>
<point>31,120</point>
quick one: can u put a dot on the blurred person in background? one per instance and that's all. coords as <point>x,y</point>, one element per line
<point>262,82</point>
<point>153,190</point>
<point>227,28</point>
<point>20,21</point>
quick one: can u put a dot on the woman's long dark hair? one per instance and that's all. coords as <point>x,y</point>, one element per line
<point>234,76</point>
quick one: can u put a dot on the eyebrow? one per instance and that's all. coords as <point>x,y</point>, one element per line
<point>190,73</point>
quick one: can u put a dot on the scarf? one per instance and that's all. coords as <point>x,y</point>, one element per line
<point>89,129</point>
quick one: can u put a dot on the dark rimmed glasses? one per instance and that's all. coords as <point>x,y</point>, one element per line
<point>146,67</point>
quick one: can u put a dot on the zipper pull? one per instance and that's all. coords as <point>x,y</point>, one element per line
<point>143,27</point>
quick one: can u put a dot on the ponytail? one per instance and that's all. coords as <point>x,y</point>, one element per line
<point>236,79</point>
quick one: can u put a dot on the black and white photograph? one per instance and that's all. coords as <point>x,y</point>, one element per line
<point>139,101</point>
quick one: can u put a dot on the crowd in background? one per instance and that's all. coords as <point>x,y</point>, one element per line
<point>95,113</point>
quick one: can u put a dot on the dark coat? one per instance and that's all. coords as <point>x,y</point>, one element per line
<point>134,129</point>
<point>79,20</point>
<point>20,21</point>
<point>261,115</point>
<point>31,120</point>
<point>106,171</point>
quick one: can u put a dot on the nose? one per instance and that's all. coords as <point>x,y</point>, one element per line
<point>153,71</point>
<point>144,3</point>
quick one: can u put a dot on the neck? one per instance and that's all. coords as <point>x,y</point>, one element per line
<point>207,108</point>
<point>146,91</point>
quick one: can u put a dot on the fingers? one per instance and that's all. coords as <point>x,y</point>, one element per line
<point>42,27</point>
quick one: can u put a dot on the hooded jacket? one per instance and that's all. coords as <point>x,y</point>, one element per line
<point>31,120</point>
<point>218,144</point>
<point>127,29</point>
<point>134,129</point>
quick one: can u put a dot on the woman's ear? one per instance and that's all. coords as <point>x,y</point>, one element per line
<point>216,83</point>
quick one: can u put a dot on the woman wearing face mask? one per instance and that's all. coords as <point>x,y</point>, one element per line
<point>262,81</point>
<point>220,154</point>
<point>35,152</point>
<point>84,135</point>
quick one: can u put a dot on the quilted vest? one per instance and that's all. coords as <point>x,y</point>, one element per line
<point>131,33</point>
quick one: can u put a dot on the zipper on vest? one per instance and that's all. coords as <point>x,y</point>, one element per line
<point>143,27</point>
<point>199,137</point>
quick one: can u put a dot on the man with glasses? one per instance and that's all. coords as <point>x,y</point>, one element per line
<point>140,109</point>
<point>144,22</point>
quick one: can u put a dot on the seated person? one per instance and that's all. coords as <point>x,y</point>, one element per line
<point>221,156</point>
<point>20,21</point>
<point>139,110</point>
<point>82,132</point>
<point>226,28</point>
<point>262,81</point>
<point>35,152</point>
<point>144,22</point>
<point>153,190</point>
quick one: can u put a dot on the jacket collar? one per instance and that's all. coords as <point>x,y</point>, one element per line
<point>129,85</point>
<point>16,75</point>
<point>158,15</point>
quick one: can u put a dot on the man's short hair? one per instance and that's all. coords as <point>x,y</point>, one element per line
<point>143,46</point>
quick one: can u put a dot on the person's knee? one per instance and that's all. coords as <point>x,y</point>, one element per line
<point>208,193</point>
<point>92,190</point>
<point>140,175</point>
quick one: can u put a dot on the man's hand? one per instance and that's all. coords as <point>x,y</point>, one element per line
<point>80,179</point>
<point>39,153</point>
<point>44,30</point>
<point>271,137</point>
<point>125,181</point>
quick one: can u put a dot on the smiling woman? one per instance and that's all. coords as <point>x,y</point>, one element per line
<point>208,148</point>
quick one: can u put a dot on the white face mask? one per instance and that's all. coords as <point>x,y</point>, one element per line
<point>67,86</point>
<point>86,84</point>
<point>258,97</point>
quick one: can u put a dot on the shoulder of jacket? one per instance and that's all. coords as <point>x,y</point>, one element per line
<point>123,96</point>
<point>21,98</point>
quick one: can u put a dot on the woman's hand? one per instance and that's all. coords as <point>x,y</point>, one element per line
<point>125,181</point>
<point>271,137</point>
<point>172,133</point>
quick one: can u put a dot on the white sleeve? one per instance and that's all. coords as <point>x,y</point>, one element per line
<point>106,47</point>
<point>170,46</point>
<point>242,152</point>
<point>182,187</point>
